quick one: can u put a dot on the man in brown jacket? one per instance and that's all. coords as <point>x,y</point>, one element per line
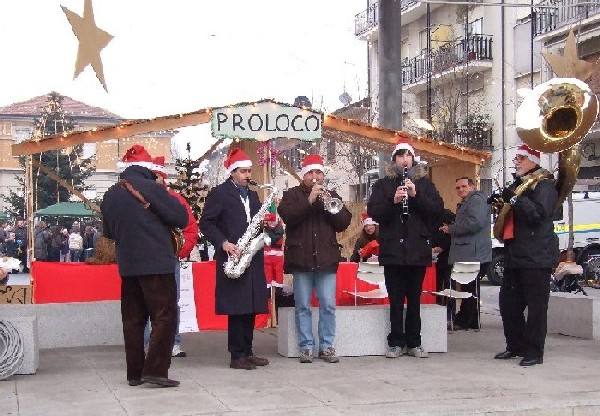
<point>312,254</point>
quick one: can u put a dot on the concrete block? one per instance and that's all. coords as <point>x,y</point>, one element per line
<point>76,324</point>
<point>574,315</point>
<point>28,330</point>
<point>363,330</point>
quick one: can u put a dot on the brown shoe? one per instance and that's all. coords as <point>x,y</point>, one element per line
<point>160,381</point>
<point>328,355</point>
<point>242,364</point>
<point>257,361</point>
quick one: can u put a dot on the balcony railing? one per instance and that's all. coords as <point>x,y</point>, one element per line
<point>451,55</point>
<point>479,137</point>
<point>368,19</point>
<point>564,13</point>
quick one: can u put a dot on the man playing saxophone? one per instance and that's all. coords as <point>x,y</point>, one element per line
<point>312,253</point>
<point>531,249</point>
<point>228,211</point>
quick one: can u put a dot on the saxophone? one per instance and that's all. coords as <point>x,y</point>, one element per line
<point>252,240</point>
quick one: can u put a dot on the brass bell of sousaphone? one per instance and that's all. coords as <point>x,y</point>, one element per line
<point>554,117</point>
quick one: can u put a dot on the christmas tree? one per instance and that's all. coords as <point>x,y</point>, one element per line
<point>189,182</point>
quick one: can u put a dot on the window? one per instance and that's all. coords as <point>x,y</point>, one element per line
<point>330,151</point>
<point>6,129</point>
<point>476,27</point>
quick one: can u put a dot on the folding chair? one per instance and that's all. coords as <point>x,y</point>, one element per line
<point>370,273</point>
<point>462,273</point>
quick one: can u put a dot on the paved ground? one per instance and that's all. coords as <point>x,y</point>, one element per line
<point>466,380</point>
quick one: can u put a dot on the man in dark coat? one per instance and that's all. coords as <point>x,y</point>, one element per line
<point>228,210</point>
<point>531,248</point>
<point>146,261</point>
<point>312,255</point>
<point>405,244</point>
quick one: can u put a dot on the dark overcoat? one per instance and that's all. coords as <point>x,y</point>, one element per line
<point>142,236</point>
<point>535,244</point>
<point>405,242</point>
<point>224,219</point>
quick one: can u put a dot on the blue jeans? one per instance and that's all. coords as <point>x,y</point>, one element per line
<point>177,335</point>
<point>324,283</point>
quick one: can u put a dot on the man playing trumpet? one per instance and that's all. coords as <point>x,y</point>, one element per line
<point>312,254</point>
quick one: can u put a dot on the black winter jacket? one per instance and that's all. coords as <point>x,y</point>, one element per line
<point>142,237</point>
<point>310,243</point>
<point>535,245</point>
<point>405,242</point>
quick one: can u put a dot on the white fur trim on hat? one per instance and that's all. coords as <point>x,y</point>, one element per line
<point>314,166</point>
<point>121,166</point>
<point>403,145</point>
<point>239,164</point>
<point>529,153</point>
<point>369,221</point>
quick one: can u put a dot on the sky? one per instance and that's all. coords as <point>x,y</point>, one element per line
<point>182,55</point>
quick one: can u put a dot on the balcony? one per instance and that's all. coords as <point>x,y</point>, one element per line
<point>475,51</point>
<point>367,21</point>
<point>564,14</point>
<point>477,137</point>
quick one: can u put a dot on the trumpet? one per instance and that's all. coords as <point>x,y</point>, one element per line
<point>333,205</point>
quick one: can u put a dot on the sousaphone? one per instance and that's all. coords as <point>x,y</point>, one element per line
<point>553,118</point>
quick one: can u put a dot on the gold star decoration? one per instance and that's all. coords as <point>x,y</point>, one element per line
<point>568,65</point>
<point>91,38</point>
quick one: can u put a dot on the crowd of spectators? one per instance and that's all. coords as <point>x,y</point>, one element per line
<point>72,242</point>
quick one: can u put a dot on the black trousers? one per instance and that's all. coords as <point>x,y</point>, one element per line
<point>240,334</point>
<point>467,317</point>
<point>154,297</point>
<point>404,282</point>
<point>525,288</point>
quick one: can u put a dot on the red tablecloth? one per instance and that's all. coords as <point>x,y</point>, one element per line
<point>346,280</point>
<point>79,282</point>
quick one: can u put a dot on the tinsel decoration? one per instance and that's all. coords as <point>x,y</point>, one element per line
<point>267,153</point>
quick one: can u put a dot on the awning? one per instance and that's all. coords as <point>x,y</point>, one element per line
<point>67,209</point>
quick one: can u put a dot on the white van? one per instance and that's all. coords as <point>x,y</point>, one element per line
<point>586,228</point>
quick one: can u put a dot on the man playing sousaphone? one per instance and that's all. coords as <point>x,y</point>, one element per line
<point>531,249</point>
<point>228,213</point>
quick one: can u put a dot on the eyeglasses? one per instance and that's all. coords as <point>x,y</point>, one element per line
<point>519,158</point>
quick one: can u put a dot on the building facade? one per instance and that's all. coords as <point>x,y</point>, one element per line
<point>17,124</point>
<point>462,65</point>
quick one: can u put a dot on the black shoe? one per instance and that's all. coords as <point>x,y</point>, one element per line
<point>506,355</point>
<point>529,361</point>
<point>242,364</point>
<point>135,382</point>
<point>160,381</point>
<point>257,361</point>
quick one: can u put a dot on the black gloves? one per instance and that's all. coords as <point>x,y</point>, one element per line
<point>494,198</point>
<point>507,194</point>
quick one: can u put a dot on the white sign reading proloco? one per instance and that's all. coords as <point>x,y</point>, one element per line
<point>266,120</point>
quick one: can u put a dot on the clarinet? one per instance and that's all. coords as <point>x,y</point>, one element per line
<point>405,213</point>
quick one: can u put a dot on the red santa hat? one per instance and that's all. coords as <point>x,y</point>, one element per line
<point>403,144</point>
<point>137,155</point>
<point>159,166</point>
<point>529,153</point>
<point>237,159</point>
<point>367,220</point>
<point>312,162</point>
